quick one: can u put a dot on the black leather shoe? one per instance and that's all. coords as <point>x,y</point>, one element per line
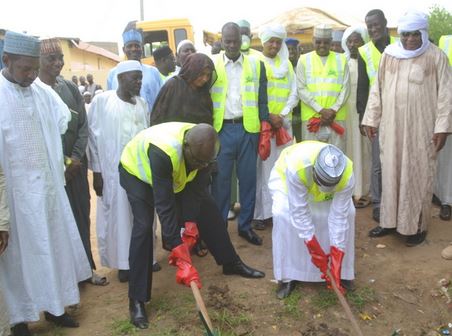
<point>284,289</point>
<point>415,239</point>
<point>138,315</point>
<point>251,237</point>
<point>156,267</point>
<point>20,329</point>
<point>378,231</point>
<point>445,212</point>
<point>376,214</point>
<point>349,285</point>
<point>238,267</point>
<point>123,275</point>
<point>62,321</point>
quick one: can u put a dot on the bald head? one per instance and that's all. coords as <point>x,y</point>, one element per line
<point>201,145</point>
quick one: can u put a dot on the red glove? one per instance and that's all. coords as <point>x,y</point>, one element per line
<point>282,137</point>
<point>314,125</point>
<point>318,257</point>
<point>337,128</point>
<point>190,235</point>
<point>336,266</point>
<point>186,272</point>
<point>264,140</point>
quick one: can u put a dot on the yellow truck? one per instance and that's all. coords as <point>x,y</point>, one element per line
<point>163,33</point>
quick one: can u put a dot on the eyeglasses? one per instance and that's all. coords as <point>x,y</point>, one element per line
<point>199,162</point>
<point>415,33</point>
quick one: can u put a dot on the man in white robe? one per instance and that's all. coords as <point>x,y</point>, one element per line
<point>357,146</point>
<point>313,216</point>
<point>411,103</point>
<point>282,98</point>
<point>45,258</point>
<point>114,118</point>
<point>4,235</point>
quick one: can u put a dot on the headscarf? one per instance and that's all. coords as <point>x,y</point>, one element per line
<point>361,30</point>
<point>277,31</point>
<point>21,44</point>
<point>182,43</point>
<point>411,21</point>
<point>194,65</point>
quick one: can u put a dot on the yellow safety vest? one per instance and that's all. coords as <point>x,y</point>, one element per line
<point>302,159</point>
<point>445,44</point>
<point>372,57</point>
<point>278,89</point>
<point>325,82</point>
<point>249,83</point>
<point>169,137</point>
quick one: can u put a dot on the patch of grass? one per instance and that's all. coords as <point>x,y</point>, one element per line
<point>361,296</point>
<point>291,306</point>
<point>229,320</point>
<point>324,299</point>
<point>123,327</point>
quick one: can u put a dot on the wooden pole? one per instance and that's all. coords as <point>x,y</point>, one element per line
<point>201,306</point>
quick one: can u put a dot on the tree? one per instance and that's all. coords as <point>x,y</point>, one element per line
<point>440,23</point>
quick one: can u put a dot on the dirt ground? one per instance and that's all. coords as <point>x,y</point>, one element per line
<point>397,293</point>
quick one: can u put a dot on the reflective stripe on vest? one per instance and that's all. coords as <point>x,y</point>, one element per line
<point>169,137</point>
<point>278,89</point>
<point>445,44</point>
<point>301,158</point>
<point>249,84</point>
<point>372,56</point>
<point>324,82</point>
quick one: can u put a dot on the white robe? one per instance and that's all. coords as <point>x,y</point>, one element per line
<point>296,220</point>
<point>443,185</point>
<point>112,124</point>
<point>45,258</point>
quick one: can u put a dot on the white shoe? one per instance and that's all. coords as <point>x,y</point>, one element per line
<point>447,253</point>
<point>231,215</point>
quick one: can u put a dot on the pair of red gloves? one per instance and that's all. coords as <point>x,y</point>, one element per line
<point>314,125</point>
<point>266,133</point>
<point>180,256</point>
<point>320,259</point>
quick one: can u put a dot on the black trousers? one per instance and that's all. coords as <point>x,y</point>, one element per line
<point>211,228</point>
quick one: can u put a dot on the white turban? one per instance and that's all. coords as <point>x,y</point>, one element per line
<point>361,30</point>
<point>182,43</point>
<point>126,66</point>
<point>277,31</point>
<point>410,22</point>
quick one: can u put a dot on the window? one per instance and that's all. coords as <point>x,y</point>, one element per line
<point>179,35</point>
<point>153,40</point>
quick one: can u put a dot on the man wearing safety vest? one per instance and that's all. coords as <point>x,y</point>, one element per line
<point>167,167</point>
<point>313,216</point>
<point>368,61</point>
<point>323,82</point>
<point>240,110</point>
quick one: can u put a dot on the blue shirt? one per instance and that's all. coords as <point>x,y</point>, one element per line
<point>150,86</point>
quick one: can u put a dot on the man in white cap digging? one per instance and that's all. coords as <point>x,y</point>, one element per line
<point>313,216</point>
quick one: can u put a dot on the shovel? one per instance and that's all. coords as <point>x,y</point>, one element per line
<point>202,310</point>
<point>345,305</point>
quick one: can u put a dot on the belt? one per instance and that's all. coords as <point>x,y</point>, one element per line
<point>233,121</point>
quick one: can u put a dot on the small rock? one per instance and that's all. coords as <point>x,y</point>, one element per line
<point>381,246</point>
<point>447,253</point>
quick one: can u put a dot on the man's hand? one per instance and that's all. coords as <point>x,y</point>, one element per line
<point>186,272</point>
<point>362,130</point>
<point>327,116</point>
<point>370,131</point>
<point>98,184</point>
<point>439,140</point>
<point>73,169</point>
<point>4,235</point>
<point>275,120</point>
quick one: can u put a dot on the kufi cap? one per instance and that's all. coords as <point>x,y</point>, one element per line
<point>127,66</point>
<point>98,91</point>
<point>21,44</point>
<point>87,93</point>
<point>182,43</point>
<point>337,35</point>
<point>323,31</point>
<point>330,164</point>
<point>132,35</point>
<point>162,52</point>
<point>243,24</point>
<point>292,41</point>
<point>50,46</point>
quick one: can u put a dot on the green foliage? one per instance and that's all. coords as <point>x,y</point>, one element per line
<point>291,306</point>
<point>361,296</point>
<point>440,23</point>
<point>324,299</point>
<point>229,320</point>
<point>123,327</point>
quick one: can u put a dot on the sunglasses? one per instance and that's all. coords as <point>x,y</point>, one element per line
<point>415,33</point>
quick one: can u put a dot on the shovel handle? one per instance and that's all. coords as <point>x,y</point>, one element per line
<point>200,303</point>
<point>345,305</point>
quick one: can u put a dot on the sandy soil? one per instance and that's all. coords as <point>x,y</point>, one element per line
<point>397,293</point>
